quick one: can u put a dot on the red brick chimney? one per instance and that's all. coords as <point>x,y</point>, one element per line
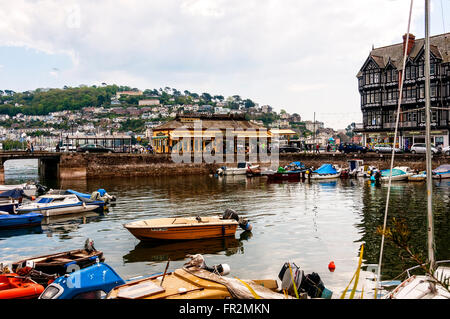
<point>411,41</point>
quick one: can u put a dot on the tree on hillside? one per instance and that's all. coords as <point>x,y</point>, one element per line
<point>248,103</point>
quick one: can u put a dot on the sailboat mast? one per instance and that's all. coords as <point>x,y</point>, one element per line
<point>430,222</point>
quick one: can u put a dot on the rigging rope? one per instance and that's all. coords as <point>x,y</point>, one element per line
<point>393,148</point>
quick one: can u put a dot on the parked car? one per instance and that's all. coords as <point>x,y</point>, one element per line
<point>289,149</point>
<point>350,148</point>
<point>422,148</point>
<point>386,148</point>
<point>67,147</point>
<point>94,148</point>
<point>446,150</point>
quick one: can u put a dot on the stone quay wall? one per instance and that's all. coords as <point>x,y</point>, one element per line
<point>82,166</point>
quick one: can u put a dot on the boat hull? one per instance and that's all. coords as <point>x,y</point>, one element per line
<point>441,175</point>
<point>325,176</point>
<point>403,177</point>
<point>188,229</point>
<point>13,287</point>
<point>58,263</point>
<point>285,176</point>
<point>18,221</point>
<point>60,210</point>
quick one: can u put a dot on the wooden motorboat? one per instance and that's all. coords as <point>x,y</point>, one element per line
<point>186,283</point>
<point>14,286</point>
<point>196,280</point>
<point>182,228</point>
<point>19,220</point>
<point>59,263</point>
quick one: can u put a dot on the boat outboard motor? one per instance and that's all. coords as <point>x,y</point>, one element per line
<point>243,223</point>
<point>310,284</point>
<point>41,189</point>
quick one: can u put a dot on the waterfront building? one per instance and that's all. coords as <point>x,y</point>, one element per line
<point>118,142</point>
<point>196,132</point>
<point>378,84</point>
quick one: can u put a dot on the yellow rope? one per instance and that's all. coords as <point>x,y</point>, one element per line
<point>356,275</point>
<point>293,282</point>
<point>249,288</point>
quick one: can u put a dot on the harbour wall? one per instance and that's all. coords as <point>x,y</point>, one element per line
<point>85,166</point>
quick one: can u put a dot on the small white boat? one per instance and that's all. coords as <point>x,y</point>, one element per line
<point>51,205</point>
<point>422,286</point>
<point>28,188</point>
<point>442,172</point>
<point>358,169</point>
<point>241,169</point>
<point>399,173</point>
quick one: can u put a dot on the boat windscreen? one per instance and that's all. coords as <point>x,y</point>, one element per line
<point>45,200</point>
<point>241,165</point>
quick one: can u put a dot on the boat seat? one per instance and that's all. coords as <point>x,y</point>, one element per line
<point>59,260</point>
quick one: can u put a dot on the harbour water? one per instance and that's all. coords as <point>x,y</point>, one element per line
<point>310,224</point>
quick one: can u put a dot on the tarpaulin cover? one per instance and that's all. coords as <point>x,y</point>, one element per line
<point>326,169</point>
<point>13,193</point>
<point>70,191</point>
<point>299,164</point>
<point>395,172</point>
<point>442,169</point>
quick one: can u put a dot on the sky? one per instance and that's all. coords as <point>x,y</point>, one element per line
<point>298,55</point>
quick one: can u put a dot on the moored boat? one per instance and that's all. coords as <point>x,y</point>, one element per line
<point>10,199</point>
<point>186,228</point>
<point>420,177</point>
<point>28,188</point>
<point>54,204</point>
<point>291,172</point>
<point>60,263</point>
<point>326,171</point>
<point>8,220</point>
<point>14,286</point>
<point>442,172</point>
<point>399,173</point>
<point>196,280</point>
<point>94,282</point>
<point>241,169</point>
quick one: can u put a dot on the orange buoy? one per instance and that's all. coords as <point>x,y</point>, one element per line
<point>331,266</point>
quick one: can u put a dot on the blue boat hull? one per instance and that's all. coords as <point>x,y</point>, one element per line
<point>9,208</point>
<point>23,220</point>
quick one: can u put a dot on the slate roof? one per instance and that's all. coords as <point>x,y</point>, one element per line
<point>439,47</point>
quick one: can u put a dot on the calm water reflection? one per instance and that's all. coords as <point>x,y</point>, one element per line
<point>310,224</point>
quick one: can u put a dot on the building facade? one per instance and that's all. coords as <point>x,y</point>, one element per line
<point>378,85</point>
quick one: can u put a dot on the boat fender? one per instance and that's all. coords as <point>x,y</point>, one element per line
<point>220,269</point>
<point>244,224</point>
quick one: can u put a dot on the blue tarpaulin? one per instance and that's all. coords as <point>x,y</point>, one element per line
<point>395,172</point>
<point>299,164</point>
<point>13,193</point>
<point>326,169</point>
<point>78,193</point>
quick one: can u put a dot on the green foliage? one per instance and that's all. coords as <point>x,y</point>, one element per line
<point>39,102</point>
<point>12,144</point>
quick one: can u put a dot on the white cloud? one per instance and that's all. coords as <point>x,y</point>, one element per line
<point>298,55</point>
